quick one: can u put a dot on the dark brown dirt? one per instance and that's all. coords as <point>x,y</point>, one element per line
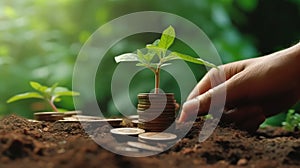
<point>59,145</point>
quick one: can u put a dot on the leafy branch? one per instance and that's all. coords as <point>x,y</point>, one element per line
<point>49,94</point>
<point>157,55</point>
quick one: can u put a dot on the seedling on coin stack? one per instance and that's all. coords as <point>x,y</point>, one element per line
<point>157,110</point>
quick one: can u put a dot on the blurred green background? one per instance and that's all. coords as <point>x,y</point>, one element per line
<point>39,40</point>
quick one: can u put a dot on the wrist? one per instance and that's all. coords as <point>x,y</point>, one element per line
<point>288,61</point>
<point>294,55</point>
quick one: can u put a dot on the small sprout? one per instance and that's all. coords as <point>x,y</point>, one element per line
<point>292,121</point>
<point>157,55</point>
<point>208,117</point>
<point>49,94</point>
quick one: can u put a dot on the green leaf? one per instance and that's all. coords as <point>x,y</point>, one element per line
<point>170,58</point>
<point>37,86</point>
<point>148,57</point>
<point>53,87</point>
<point>126,57</point>
<point>66,93</point>
<point>165,64</point>
<point>208,117</point>
<point>60,89</point>
<point>27,95</point>
<point>145,58</point>
<point>142,64</point>
<point>192,59</point>
<point>57,99</point>
<point>292,120</point>
<point>167,38</point>
<point>155,48</point>
<point>140,56</point>
<point>150,65</point>
<point>156,42</point>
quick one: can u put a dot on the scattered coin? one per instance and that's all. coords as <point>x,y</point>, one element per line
<point>133,117</point>
<point>71,113</point>
<point>158,136</point>
<point>88,117</point>
<point>114,122</point>
<point>48,116</point>
<point>145,146</point>
<point>126,149</point>
<point>126,134</point>
<point>135,121</point>
<point>47,113</point>
<point>127,131</point>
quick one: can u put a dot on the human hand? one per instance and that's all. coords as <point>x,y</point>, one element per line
<point>255,88</point>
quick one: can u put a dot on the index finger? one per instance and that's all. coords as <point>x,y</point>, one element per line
<point>213,78</point>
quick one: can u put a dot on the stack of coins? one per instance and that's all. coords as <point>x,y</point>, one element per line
<point>156,111</point>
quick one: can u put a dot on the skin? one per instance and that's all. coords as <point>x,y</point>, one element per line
<point>255,88</point>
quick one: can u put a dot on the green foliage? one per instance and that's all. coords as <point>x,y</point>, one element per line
<point>49,94</point>
<point>167,38</point>
<point>159,49</point>
<point>39,44</point>
<point>274,121</point>
<point>292,121</point>
<point>157,55</point>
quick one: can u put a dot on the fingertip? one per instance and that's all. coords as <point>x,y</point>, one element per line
<point>189,109</point>
<point>182,117</point>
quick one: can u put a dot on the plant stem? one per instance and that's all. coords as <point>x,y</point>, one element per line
<point>52,106</point>
<point>157,80</point>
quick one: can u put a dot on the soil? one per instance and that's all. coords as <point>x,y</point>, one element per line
<point>59,145</point>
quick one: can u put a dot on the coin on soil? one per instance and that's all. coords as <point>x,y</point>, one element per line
<point>127,131</point>
<point>145,146</point>
<point>158,136</point>
<point>48,116</point>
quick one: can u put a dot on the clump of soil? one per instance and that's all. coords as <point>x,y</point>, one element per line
<point>45,144</point>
